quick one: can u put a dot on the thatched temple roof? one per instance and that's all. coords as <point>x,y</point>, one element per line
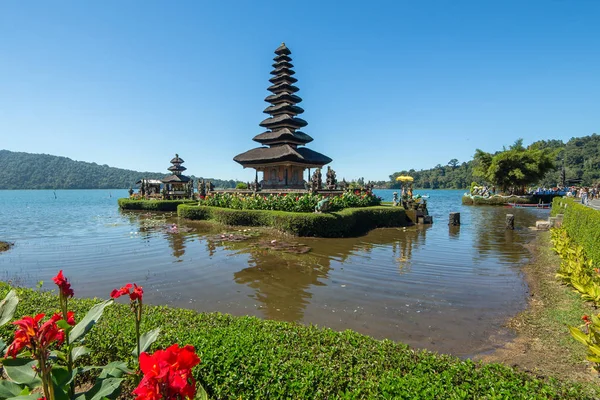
<point>282,136</point>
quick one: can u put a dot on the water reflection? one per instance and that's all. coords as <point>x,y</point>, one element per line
<point>282,288</point>
<point>434,286</point>
<point>177,244</point>
<point>454,232</point>
<point>492,239</point>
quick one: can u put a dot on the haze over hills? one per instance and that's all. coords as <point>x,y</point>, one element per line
<point>19,170</point>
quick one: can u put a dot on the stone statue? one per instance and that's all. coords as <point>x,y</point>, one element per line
<point>210,186</point>
<point>322,206</point>
<point>130,192</point>
<point>201,189</point>
<point>256,184</point>
<point>317,184</point>
<point>331,181</point>
<point>395,199</point>
<point>344,184</point>
<point>143,188</point>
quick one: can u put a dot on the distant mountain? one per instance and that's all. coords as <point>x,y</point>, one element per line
<point>43,171</point>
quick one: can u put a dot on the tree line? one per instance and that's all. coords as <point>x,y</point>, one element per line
<point>545,163</point>
<point>43,171</point>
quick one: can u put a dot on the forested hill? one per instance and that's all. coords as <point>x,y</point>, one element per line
<point>43,171</point>
<point>580,157</point>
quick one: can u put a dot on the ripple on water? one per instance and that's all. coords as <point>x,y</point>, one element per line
<point>444,288</point>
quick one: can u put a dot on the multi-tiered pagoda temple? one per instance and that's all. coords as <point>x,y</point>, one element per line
<point>177,185</point>
<point>283,162</point>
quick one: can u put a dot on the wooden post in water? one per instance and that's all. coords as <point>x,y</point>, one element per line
<point>510,221</point>
<point>454,219</point>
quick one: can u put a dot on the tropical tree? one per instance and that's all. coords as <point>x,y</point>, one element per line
<point>514,168</point>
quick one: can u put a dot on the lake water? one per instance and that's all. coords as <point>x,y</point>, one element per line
<point>447,289</point>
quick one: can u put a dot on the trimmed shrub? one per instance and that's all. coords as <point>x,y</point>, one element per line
<point>153,205</point>
<point>248,358</point>
<point>495,200</point>
<point>292,202</point>
<point>582,225</point>
<point>348,222</point>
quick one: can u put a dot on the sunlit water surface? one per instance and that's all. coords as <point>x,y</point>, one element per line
<point>436,287</point>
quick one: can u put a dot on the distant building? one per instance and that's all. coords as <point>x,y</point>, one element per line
<point>283,162</point>
<point>177,185</point>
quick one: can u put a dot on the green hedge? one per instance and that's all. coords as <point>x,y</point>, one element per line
<point>495,200</point>
<point>248,358</point>
<point>582,225</point>
<point>348,222</point>
<point>153,205</point>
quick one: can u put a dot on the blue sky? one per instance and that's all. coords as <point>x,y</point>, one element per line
<point>386,86</point>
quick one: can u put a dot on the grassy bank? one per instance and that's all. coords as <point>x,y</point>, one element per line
<point>345,223</point>
<point>244,357</point>
<point>544,345</point>
<point>152,205</point>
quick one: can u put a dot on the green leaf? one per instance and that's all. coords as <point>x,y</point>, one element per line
<point>593,358</point>
<point>594,349</point>
<point>63,324</point>
<point>21,370</point>
<point>78,352</point>
<point>115,369</point>
<point>2,346</point>
<point>33,396</point>
<point>578,335</point>
<point>8,307</point>
<point>201,393</point>
<point>9,389</point>
<point>88,321</point>
<point>146,340</point>
<point>104,388</point>
<point>61,390</point>
<point>61,375</point>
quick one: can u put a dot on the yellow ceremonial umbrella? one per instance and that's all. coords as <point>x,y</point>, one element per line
<point>404,178</point>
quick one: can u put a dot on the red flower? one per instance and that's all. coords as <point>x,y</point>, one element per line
<point>31,335</point>
<point>63,284</point>
<point>71,318</point>
<point>116,293</point>
<point>134,295</point>
<point>168,374</point>
<point>587,320</point>
<point>137,293</point>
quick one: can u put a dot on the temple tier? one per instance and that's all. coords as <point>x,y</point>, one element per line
<point>282,163</point>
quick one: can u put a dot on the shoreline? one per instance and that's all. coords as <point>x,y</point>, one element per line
<point>543,345</point>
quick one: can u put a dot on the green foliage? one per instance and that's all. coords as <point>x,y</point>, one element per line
<point>578,271</point>
<point>152,205</point>
<point>43,171</point>
<point>345,223</point>
<point>582,225</point>
<point>38,369</point>
<point>293,202</point>
<point>245,357</point>
<point>241,185</point>
<point>496,200</point>
<point>453,176</point>
<point>514,168</point>
<point>581,158</point>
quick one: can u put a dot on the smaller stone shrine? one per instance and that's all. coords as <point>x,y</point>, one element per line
<point>177,185</point>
